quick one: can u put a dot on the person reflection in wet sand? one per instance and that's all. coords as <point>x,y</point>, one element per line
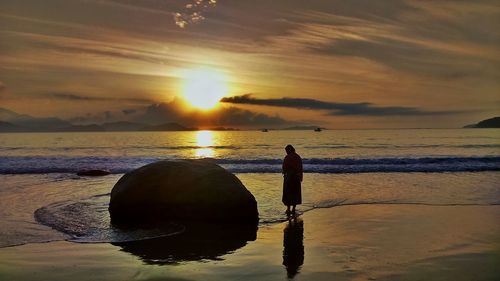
<point>293,246</point>
<point>292,173</point>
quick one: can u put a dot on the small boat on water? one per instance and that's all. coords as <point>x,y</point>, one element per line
<point>317,130</point>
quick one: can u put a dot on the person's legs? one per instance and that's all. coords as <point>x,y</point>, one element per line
<point>288,209</point>
<point>293,209</point>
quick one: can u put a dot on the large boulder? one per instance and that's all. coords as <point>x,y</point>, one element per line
<point>181,190</point>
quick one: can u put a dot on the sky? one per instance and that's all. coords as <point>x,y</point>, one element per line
<point>329,63</point>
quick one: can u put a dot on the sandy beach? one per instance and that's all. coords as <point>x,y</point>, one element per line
<point>362,242</point>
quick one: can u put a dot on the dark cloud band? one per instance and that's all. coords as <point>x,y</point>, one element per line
<point>77,97</point>
<point>334,108</point>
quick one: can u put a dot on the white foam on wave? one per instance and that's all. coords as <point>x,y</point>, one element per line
<point>119,165</point>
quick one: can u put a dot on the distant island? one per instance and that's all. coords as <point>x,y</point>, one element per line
<point>303,128</point>
<point>223,129</point>
<point>11,121</point>
<point>171,126</point>
<point>487,123</point>
<point>7,127</point>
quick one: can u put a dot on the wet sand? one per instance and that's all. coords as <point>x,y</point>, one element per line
<point>361,242</point>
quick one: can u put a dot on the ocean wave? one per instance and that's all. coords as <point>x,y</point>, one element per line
<point>399,146</point>
<point>69,148</point>
<point>119,165</point>
<point>376,146</point>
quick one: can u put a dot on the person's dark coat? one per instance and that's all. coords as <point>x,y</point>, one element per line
<point>292,172</point>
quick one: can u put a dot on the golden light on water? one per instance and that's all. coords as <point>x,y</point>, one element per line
<point>204,87</point>
<point>204,142</point>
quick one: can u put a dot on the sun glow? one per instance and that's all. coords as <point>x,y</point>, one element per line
<point>204,87</point>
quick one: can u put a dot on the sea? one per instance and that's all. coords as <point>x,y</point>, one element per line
<point>43,199</point>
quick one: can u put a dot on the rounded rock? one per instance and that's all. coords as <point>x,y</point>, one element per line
<point>195,189</point>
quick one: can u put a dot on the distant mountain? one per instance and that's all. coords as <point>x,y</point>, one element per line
<point>82,128</point>
<point>223,129</point>
<point>8,115</point>
<point>122,126</point>
<point>30,123</point>
<point>11,121</point>
<point>167,127</point>
<point>9,127</point>
<point>309,128</point>
<point>488,123</point>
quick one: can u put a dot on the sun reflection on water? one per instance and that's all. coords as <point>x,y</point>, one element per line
<point>204,142</point>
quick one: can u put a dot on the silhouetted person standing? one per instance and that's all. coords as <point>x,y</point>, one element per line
<point>292,173</point>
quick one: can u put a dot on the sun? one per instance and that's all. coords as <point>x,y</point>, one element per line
<point>204,87</point>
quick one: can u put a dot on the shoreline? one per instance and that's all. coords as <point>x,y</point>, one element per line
<point>355,242</point>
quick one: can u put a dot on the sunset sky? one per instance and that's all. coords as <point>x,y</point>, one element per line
<point>335,64</point>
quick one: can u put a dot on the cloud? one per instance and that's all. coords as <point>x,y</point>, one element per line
<point>193,12</point>
<point>108,115</point>
<point>434,54</point>
<point>334,108</point>
<point>94,48</point>
<point>405,56</point>
<point>67,96</point>
<point>77,97</point>
<point>451,40</point>
<point>156,114</point>
<point>3,90</point>
<point>223,116</point>
<point>174,111</point>
<point>233,116</point>
<point>129,111</point>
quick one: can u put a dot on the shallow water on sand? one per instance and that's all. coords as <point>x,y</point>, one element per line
<point>75,208</point>
<point>357,242</point>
